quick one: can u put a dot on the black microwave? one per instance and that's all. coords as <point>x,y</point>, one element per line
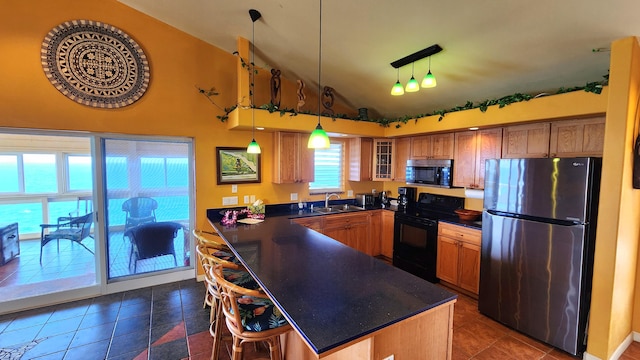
<point>430,172</point>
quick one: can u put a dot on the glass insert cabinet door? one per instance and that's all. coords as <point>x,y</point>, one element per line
<point>383,159</point>
<point>147,187</point>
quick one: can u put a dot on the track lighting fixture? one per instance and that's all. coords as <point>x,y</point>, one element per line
<point>412,86</point>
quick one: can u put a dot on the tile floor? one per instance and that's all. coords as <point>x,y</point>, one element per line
<point>168,322</point>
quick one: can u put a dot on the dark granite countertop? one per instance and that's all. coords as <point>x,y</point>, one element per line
<point>331,293</point>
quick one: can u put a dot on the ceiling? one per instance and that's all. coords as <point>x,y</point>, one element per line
<point>491,48</point>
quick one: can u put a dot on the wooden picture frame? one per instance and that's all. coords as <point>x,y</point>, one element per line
<point>234,166</point>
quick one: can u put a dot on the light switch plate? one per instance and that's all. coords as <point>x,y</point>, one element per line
<point>349,193</point>
<point>246,199</point>
<point>234,189</point>
<point>252,199</point>
<point>294,196</point>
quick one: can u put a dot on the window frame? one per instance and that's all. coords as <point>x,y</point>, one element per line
<point>341,167</point>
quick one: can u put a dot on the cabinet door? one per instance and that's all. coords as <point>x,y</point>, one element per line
<point>306,161</point>
<point>403,153</point>
<point>386,243</point>
<point>383,160</point>
<point>360,159</point>
<point>285,158</point>
<point>420,147</point>
<point>442,146</point>
<point>359,238</point>
<point>489,146</point>
<point>376,225</point>
<point>469,274</point>
<point>574,138</point>
<point>526,141</point>
<point>293,162</point>
<point>464,155</point>
<point>339,233</point>
<point>447,260</point>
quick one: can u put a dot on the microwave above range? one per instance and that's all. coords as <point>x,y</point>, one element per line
<point>430,172</point>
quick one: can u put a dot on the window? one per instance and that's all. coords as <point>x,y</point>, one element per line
<point>29,173</point>
<point>328,169</point>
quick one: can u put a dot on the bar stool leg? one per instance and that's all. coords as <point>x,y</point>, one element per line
<point>237,348</point>
<point>216,330</point>
<point>274,348</point>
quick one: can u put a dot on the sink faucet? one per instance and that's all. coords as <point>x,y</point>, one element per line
<point>327,197</point>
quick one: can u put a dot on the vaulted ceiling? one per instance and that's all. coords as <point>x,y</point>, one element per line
<point>491,48</point>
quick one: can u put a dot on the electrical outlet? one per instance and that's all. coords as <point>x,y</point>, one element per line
<point>234,189</point>
<point>246,199</point>
<point>230,200</point>
<point>252,199</point>
<point>349,193</point>
<point>294,196</point>
<point>390,357</point>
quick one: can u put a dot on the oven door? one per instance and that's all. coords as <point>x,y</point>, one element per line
<point>415,246</point>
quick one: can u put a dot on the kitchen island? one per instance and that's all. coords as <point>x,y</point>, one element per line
<point>341,303</point>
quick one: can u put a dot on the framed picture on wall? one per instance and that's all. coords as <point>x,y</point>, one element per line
<point>235,165</point>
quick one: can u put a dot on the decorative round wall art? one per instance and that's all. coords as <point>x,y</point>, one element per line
<point>95,64</point>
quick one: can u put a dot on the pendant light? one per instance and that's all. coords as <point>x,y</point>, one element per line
<point>319,138</point>
<point>397,88</point>
<point>412,85</point>
<point>253,147</point>
<point>429,81</point>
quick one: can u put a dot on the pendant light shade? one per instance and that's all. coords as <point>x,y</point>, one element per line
<point>412,85</point>
<point>253,147</point>
<point>319,138</point>
<point>397,88</point>
<point>429,81</point>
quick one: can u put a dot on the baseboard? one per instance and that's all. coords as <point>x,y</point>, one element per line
<point>634,336</point>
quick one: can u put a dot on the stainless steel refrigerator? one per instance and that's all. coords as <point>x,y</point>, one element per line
<point>538,234</point>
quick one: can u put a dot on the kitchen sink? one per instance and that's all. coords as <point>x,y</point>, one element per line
<point>337,209</point>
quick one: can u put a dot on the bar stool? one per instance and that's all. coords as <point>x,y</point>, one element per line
<point>222,251</point>
<point>234,273</point>
<point>250,316</point>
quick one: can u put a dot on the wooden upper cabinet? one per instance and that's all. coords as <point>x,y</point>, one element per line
<point>437,146</point>
<point>526,141</point>
<point>403,153</point>
<point>575,138</point>
<point>293,161</point>
<point>472,149</point>
<point>360,159</point>
<point>383,161</point>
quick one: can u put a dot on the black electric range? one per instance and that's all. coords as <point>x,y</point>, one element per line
<point>415,240</point>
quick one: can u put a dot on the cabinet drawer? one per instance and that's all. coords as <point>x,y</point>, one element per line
<point>360,217</point>
<point>314,222</point>
<point>461,233</point>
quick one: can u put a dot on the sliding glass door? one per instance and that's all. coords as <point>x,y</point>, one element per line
<point>147,197</point>
<point>119,197</point>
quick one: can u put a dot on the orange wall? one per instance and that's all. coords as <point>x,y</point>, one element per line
<point>173,107</point>
<point>616,255</point>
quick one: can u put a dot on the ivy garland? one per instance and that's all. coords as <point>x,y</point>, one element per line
<point>592,87</point>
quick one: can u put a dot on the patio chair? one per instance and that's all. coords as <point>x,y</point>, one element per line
<point>75,229</point>
<point>139,210</point>
<point>151,240</point>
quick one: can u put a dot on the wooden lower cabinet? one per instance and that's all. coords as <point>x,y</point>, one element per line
<point>350,229</point>
<point>424,336</point>
<point>458,261</point>
<point>386,241</point>
<point>313,222</point>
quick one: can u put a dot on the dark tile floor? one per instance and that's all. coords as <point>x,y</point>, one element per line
<point>169,322</point>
